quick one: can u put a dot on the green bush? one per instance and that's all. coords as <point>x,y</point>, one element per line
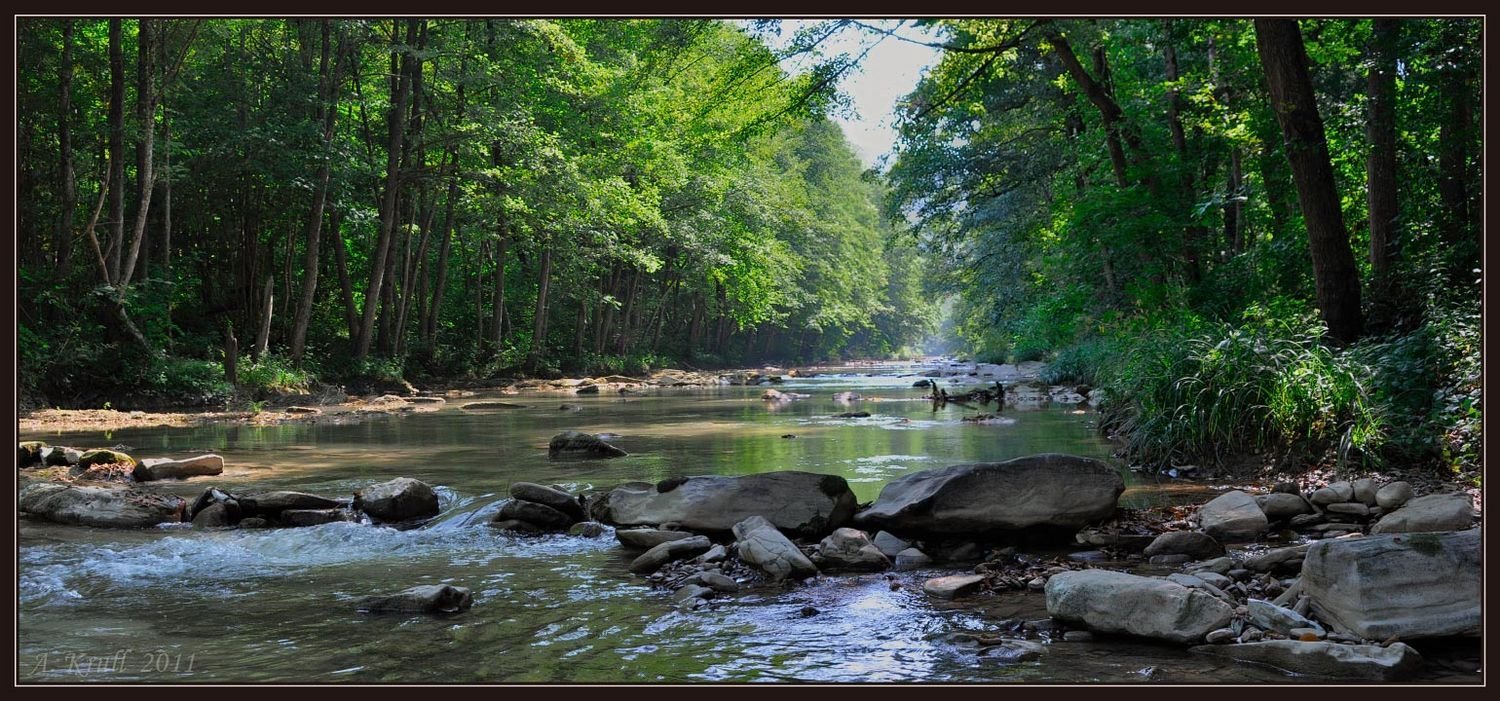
<point>191,381</point>
<point>275,374</point>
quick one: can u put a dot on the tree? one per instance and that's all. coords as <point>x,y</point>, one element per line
<point>1279,43</point>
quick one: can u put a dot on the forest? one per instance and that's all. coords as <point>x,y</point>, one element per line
<point>1248,234</point>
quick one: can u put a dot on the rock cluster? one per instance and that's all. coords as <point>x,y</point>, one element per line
<point>535,508</point>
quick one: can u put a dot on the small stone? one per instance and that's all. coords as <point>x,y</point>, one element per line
<point>1238,574</point>
<point>691,591</point>
<point>1220,565</point>
<point>1306,635</point>
<point>1037,584</point>
<point>954,586</point>
<point>1220,636</point>
<point>1169,559</point>
<point>586,529</point>
<point>808,612</point>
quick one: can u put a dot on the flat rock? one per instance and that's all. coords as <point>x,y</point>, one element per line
<point>432,598</point>
<point>555,498</point>
<point>953,586</point>
<point>489,405</point>
<point>1325,659</point>
<point>1193,543</point>
<point>1232,517</point>
<point>1408,585</point>
<point>715,581</point>
<point>801,503</point>
<point>313,517</point>
<point>1268,616</point>
<point>100,507</point>
<point>1335,493</point>
<point>668,552</point>
<point>200,466</point>
<point>1050,489</point>
<point>1349,508</point>
<point>271,503</point>
<point>540,515</point>
<point>1431,513</point>
<point>647,538</point>
<point>1115,602</point>
<point>761,545</point>
<point>1284,559</point>
<point>582,444</point>
<point>400,499</point>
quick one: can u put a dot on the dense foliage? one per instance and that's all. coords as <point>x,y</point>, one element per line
<point>434,199</point>
<point>1139,201</point>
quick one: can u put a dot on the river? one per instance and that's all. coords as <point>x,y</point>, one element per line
<point>178,605</point>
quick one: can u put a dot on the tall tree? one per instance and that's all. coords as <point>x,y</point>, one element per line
<point>328,97</point>
<point>1284,59</point>
<point>1381,162</point>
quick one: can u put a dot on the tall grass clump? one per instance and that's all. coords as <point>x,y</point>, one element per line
<point>1268,385</point>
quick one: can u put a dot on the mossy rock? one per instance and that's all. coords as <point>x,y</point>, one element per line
<point>29,453</point>
<point>105,456</point>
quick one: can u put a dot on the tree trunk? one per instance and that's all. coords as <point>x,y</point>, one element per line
<point>263,339</point>
<point>340,258</point>
<point>1284,59</point>
<point>498,320</point>
<point>1381,166</point>
<point>1194,233</point>
<point>116,153</point>
<point>63,243</point>
<point>146,118</point>
<point>388,213</point>
<point>1109,111</point>
<point>440,282</point>
<point>231,355</point>
<point>328,81</point>
<point>1456,124</point>
<point>539,324</point>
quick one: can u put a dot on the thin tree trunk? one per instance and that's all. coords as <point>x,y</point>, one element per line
<point>346,288</point>
<point>328,81</point>
<point>116,152</point>
<point>1284,59</point>
<point>497,322</point>
<point>1193,233</point>
<point>388,211</point>
<point>440,282</point>
<point>1454,128</point>
<point>263,339</point>
<point>1381,165</point>
<point>539,324</point>
<point>63,243</point>
<point>146,117</point>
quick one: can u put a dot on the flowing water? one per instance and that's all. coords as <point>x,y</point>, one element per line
<point>174,604</point>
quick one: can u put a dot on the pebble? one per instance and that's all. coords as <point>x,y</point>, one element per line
<point>1222,635</point>
<point>808,612</point>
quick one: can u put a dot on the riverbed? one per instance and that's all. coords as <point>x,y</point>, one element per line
<point>175,604</point>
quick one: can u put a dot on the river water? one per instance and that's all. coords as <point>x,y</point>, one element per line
<point>178,605</point>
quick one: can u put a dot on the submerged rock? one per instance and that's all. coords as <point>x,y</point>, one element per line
<point>1116,602</point>
<point>400,499</point>
<point>802,503</point>
<point>761,545</point>
<point>1324,659</point>
<point>179,469</point>
<point>1412,585</point>
<point>973,499</point>
<point>583,444</point>
<point>432,598</point>
<point>101,507</point>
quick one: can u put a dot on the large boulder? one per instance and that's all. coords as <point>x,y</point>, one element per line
<point>1432,513</point>
<point>1116,602</point>
<point>1411,585</point>
<point>1049,489</point>
<point>102,507</point>
<point>272,503</point>
<point>1323,659</point>
<point>202,465</point>
<point>849,549</point>
<point>400,499</point>
<point>431,598</point>
<point>1232,517</point>
<point>555,498</point>
<point>578,443</point>
<point>760,544</point>
<point>801,503</point>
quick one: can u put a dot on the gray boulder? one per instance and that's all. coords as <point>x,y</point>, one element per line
<point>1049,489</point>
<point>539,515</point>
<point>1193,543</point>
<point>1269,616</point>
<point>647,538</point>
<point>849,549</point>
<point>1393,495</point>
<point>669,552</point>
<point>889,545</point>
<point>582,444</point>
<point>400,499</point>
<point>1116,602</point>
<point>1280,506</point>
<point>313,517</point>
<point>555,498</point>
<point>271,503</point>
<point>217,515</point>
<point>202,465</point>
<point>715,581</point>
<point>1410,585</point>
<point>1432,513</point>
<point>912,559</point>
<point>1365,490</point>
<point>101,507</point>
<point>760,544</point>
<point>1323,659</point>
<point>801,503</point>
<point>1335,493</point>
<point>1232,517</point>
<point>431,598</point>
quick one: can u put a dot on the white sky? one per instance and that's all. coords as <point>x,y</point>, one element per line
<point>889,72</point>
